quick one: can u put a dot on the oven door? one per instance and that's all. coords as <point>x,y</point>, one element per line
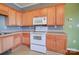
<point>38,39</point>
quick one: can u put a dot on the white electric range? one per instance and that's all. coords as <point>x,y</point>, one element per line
<point>38,39</point>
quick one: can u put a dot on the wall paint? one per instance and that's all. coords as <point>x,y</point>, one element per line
<point>70,27</point>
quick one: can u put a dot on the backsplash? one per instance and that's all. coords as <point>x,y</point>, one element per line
<point>55,28</point>
<point>27,28</point>
<point>50,28</point>
<point>10,29</point>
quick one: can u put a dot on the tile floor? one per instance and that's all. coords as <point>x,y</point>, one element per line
<point>23,50</point>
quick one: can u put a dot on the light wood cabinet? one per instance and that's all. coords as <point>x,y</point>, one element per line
<point>17,40</point>
<point>61,43</point>
<point>27,19</point>
<point>19,18</point>
<point>51,16</point>
<point>43,12</point>
<point>51,42</point>
<point>7,43</point>
<point>12,17</point>
<point>1,45</point>
<point>26,39</point>
<point>48,42</point>
<point>37,13</point>
<point>56,43</point>
<point>4,7</point>
<point>60,14</point>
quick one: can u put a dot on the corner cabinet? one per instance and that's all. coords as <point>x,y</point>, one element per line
<point>27,19</point>
<point>60,14</point>
<point>17,40</point>
<point>12,17</point>
<point>19,18</point>
<point>26,39</point>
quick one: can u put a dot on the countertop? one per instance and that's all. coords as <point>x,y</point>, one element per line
<point>19,32</point>
<point>12,33</point>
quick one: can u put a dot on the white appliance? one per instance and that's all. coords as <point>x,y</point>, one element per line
<point>40,21</point>
<point>38,39</point>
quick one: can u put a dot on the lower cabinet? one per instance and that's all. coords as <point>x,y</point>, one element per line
<point>7,43</point>
<point>56,43</point>
<point>61,43</point>
<point>1,50</point>
<point>26,39</point>
<point>50,42</point>
<point>17,40</point>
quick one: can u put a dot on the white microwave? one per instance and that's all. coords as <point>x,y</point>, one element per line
<point>40,21</point>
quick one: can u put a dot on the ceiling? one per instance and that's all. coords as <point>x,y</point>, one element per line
<point>22,5</point>
<point>28,6</point>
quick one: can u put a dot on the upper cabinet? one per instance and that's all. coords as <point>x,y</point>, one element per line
<point>54,14</point>
<point>36,13</point>
<point>27,18</point>
<point>3,9</point>
<point>19,18</point>
<point>51,16</point>
<point>60,14</point>
<point>12,17</point>
<point>43,12</point>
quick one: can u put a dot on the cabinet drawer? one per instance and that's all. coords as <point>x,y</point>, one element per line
<point>38,48</point>
<point>60,36</point>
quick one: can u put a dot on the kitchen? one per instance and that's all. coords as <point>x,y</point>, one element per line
<point>38,28</point>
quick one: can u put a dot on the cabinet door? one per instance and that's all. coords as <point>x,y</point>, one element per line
<point>26,39</point>
<point>1,45</point>
<point>60,14</point>
<point>4,7</point>
<point>43,12</point>
<point>17,40</point>
<point>37,13</point>
<point>7,43</point>
<point>48,42</point>
<point>51,16</point>
<point>12,17</point>
<point>27,19</point>
<point>53,42</point>
<point>18,18</point>
<point>60,43</point>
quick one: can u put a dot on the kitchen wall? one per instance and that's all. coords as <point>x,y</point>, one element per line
<point>71,26</point>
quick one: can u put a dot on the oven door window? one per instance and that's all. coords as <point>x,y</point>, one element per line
<point>37,38</point>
